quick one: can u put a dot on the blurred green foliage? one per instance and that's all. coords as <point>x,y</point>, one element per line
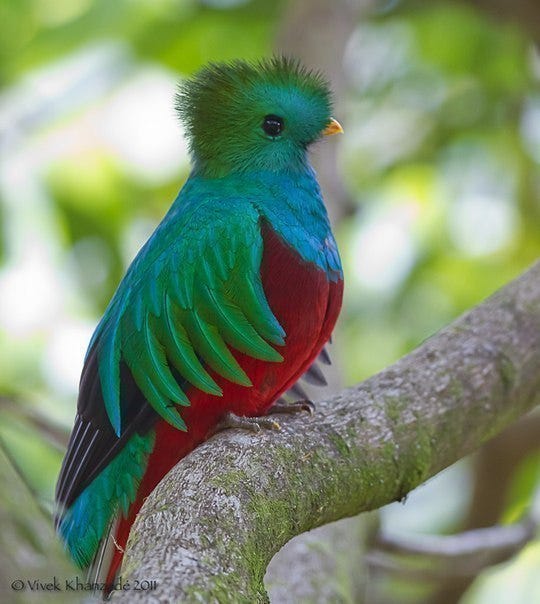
<point>441,153</point>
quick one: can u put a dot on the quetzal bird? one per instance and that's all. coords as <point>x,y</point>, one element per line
<point>225,307</point>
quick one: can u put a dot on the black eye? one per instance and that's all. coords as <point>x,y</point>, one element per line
<point>272,125</point>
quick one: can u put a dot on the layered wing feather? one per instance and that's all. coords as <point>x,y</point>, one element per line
<point>179,311</point>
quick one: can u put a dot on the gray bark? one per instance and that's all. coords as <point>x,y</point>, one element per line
<point>209,530</point>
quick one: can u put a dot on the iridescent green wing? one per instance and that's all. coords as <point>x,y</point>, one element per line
<point>193,293</point>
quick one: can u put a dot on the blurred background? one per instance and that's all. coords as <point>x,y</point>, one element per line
<point>434,192</point>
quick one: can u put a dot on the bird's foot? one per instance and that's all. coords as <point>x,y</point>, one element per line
<point>282,407</point>
<point>253,424</point>
<point>256,424</point>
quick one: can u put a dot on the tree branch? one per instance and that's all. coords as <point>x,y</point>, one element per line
<point>208,531</point>
<point>463,555</point>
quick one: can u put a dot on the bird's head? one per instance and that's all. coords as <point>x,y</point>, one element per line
<point>243,116</point>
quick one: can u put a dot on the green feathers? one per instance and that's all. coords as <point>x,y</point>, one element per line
<point>184,302</point>
<point>224,106</point>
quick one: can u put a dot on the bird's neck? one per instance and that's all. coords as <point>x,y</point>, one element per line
<point>286,197</point>
<point>222,166</point>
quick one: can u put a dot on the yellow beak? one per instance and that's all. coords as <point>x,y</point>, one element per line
<point>333,127</point>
